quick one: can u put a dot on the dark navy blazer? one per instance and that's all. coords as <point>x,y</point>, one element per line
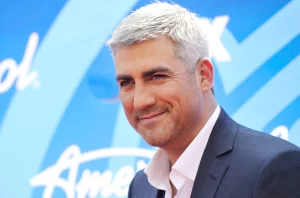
<point>238,162</point>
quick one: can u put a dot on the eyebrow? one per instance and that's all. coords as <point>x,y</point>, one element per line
<point>123,77</point>
<point>158,69</point>
<point>145,74</point>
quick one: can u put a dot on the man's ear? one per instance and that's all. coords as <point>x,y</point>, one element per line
<point>205,74</point>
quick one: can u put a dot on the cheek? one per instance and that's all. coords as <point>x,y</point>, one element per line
<point>128,110</point>
<point>172,96</point>
<point>127,103</point>
<point>186,98</point>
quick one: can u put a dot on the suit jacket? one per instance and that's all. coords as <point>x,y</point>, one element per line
<point>238,162</point>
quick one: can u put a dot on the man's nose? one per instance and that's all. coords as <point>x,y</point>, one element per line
<point>143,98</point>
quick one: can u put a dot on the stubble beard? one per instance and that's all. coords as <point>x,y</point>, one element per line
<point>160,134</point>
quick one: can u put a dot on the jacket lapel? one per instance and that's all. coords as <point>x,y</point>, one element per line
<point>211,169</point>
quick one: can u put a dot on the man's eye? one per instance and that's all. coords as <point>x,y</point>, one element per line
<point>124,83</point>
<point>158,76</point>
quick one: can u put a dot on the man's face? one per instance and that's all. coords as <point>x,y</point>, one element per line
<point>161,100</point>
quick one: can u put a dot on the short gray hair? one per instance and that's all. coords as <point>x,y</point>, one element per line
<point>188,33</point>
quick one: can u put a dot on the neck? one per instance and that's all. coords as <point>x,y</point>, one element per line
<point>178,146</point>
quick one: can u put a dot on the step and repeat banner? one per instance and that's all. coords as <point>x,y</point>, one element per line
<point>63,132</point>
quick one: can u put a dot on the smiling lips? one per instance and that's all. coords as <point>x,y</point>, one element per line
<point>151,117</point>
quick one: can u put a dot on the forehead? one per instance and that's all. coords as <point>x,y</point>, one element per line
<point>145,55</point>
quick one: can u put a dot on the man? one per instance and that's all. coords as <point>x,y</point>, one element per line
<point>165,74</point>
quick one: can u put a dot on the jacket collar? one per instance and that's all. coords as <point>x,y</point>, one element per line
<point>211,169</point>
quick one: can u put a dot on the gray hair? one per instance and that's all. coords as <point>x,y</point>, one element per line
<point>188,33</point>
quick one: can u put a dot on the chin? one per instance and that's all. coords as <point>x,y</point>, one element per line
<point>156,142</point>
<point>153,140</point>
<point>155,137</point>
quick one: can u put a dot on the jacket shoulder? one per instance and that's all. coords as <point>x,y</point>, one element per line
<point>261,142</point>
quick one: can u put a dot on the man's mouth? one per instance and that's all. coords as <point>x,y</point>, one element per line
<point>151,117</point>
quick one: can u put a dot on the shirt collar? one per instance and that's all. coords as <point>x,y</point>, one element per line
<point>192,155</point>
